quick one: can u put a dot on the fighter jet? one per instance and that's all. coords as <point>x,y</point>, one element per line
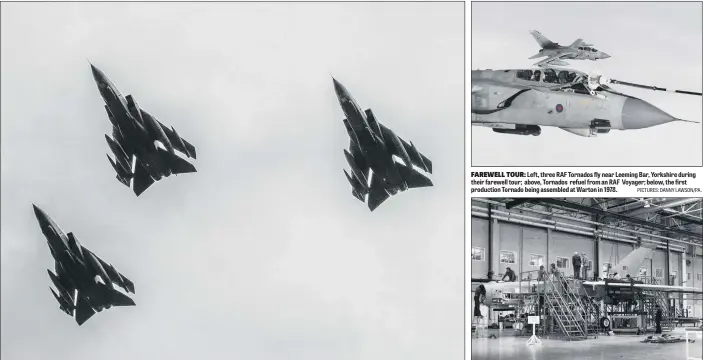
<point>555,53</point>
<point>520,101</point>
<point>84,282</point>
<point>136,139</point>
<point>371,148</point>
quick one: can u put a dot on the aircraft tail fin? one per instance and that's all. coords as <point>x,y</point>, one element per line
<point>578,42</point>
<point>142,180</point>
<point>542,40</point>
<point>631,263</point>
<point>377,193</point>
<point>83,310</point>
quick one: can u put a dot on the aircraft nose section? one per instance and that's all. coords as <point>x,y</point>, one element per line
<point>38,212</point>
<point>639,114</point>
<point>338,88</point>
<point>605,56</point>
<point>97,74</point>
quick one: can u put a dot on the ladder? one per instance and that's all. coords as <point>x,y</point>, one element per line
<point>565,307</point>
<point>590,312</point>
<point>660,298</point>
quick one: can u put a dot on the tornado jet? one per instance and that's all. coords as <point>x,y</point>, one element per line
<point>520,102</point>
<point>375,174</point>
<point>85,284</point>
<point>143,147</point>
<point>555,53</point>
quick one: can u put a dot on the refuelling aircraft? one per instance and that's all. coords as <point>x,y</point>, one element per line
<point>522,101</point>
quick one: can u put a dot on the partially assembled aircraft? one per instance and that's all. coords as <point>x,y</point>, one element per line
<point>503,295</point>
<point>555,53</point>
<point>519,102</point>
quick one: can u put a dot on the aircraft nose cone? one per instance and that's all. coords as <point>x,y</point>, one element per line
<point>605,56</point>
<point>37,211</point>
<point>97,74</point>
<point>639,114</point>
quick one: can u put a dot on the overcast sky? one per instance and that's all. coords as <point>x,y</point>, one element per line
<point>263,253</point>
<point>650,43</point>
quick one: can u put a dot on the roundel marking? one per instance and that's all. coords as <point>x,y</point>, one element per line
<point>560,108</point>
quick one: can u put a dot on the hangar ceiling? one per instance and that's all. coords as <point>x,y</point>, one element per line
<point>679,218</point>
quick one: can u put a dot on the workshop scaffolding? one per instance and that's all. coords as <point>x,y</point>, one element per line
<point>563,304</point>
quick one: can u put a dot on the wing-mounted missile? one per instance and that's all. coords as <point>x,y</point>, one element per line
<point>75,246</point>
<point>373,123</point>
<point>134,109</point>
<point>95,264</point>
<point>120,167</point>
<point>179,141</point>
<point>115,147</point>
<point>63,304</point>
<point>62,289</point>
<point>358,190</point>
<point>358,173</point>
<point>351,133</point>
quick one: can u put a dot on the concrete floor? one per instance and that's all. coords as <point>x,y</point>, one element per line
<point>618,347</point>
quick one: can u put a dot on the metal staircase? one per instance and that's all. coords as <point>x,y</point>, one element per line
<point>660,298</point>
<point>565,307</point>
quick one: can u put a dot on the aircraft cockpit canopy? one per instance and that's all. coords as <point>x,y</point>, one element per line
<point>586,48</point>
<point>549,76</point>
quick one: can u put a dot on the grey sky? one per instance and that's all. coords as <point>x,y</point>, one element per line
<point>650,43</point>
<point>264,253</point>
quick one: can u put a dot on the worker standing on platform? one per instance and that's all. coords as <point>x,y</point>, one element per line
<point>510,274</point>
<point>576,262</point>
<point>585,266</point>
<point>542,274</point>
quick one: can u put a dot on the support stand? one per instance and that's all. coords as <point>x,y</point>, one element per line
<point>534,340</point>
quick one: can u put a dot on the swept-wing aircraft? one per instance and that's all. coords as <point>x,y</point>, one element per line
<point>139,160</point>
<point>520,102</point>
<point>84,281</point>
<point>556,53</point>
<point>375,174</point>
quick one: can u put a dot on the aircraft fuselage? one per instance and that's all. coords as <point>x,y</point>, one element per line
<point>370,141</point>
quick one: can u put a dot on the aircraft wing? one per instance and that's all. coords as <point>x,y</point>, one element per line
<point>651,287</point>
<point>555,56</point>
<point>116,277</point>
<point>416,158</point>
<point>176,140</point>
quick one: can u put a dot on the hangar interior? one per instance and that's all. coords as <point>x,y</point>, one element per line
<point>526,233</point>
